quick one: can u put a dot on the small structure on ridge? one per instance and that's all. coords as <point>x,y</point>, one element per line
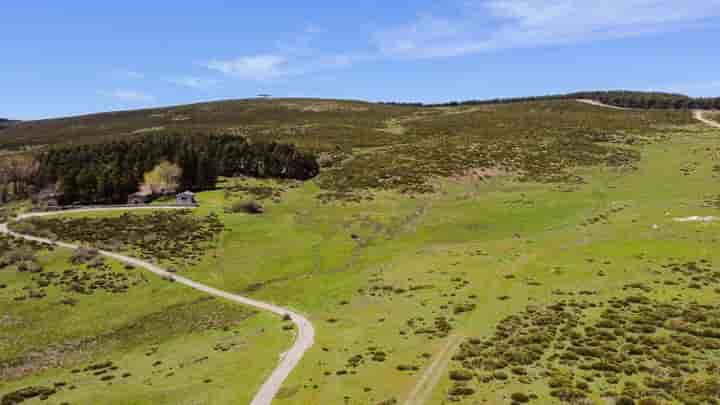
<point>186,198</point>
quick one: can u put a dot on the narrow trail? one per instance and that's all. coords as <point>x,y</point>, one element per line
<point>431,376</point>
<point>599,104</point>
<point>289,360</point>
<point>700,116</point>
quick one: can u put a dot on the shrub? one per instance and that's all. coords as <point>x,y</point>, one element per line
<point>29,266</point>
<point>18,255</point>
<point>24,227</point>
<point>248,207</point>
<point>83,254</point>
<point>461,391</point>
<point>520,397</point>
<point>23,394</point>
<point>461,375</point>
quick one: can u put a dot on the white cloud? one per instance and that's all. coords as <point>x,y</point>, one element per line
<point>259,67</point>
<point>313,29</point>
<point>127,74</point>
<point>502,24</point>
<point>266,67</point>
<point>129,95</point>
<point>198,83</point>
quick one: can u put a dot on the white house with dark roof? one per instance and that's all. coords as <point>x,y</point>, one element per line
<point>186,198</point>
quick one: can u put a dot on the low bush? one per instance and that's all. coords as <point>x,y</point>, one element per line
<point>248,207</point>
<point>84,254</point>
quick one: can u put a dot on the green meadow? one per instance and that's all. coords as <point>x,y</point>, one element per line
<point>390,279</point>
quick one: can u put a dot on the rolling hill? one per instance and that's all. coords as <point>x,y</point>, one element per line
<point>6,123</point>
<point>544,251</point>
<point>293,119</point>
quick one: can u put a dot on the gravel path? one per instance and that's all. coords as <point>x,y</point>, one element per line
<point>701,117</point>
<point>599,104</point>
<point>289,360</point>
<point>697,114</point>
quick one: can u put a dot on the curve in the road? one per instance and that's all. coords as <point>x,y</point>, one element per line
<point>305,332</point>
<point>699,115</point>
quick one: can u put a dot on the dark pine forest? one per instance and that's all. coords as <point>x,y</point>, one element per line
<point>110,172</point>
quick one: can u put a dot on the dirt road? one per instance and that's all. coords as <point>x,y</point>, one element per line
<point>305,332</point>
<point>599,104</point>
<point>700,116</point>
<point>697,114</point>
<point>431,376</point>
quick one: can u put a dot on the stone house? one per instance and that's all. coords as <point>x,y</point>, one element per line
<point>186,198</point>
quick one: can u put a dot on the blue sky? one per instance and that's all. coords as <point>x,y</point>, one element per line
<point>77,56</point>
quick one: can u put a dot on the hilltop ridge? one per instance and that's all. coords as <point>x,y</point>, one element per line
<point>261,117</point>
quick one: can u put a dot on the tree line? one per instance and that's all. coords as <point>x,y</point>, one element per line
<point>619,98</point>
<point>109,172</point>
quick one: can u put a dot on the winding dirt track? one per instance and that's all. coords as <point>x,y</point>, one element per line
<point>698,115</point>
<point>599,104</point>
<point>289,360</point>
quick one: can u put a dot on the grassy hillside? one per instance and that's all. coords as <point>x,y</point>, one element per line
<point>542,261</point>
<point>619,98</point>
<point>6,123</point>
<point>366,145</point>
<point>242,117</point>
<point>95,331</point>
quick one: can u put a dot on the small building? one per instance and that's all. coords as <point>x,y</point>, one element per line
<point>139,198</point>
<point>48,198</point>
<point>186,198</point>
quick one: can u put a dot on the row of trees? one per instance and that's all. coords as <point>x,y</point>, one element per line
<point>619,98</point>
<point>110,172</point>
<point>645,100</point>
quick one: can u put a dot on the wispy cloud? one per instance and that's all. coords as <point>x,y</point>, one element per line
<point>127,95</point>
<point>289,57</point>
<point>126,74</point>
<point>313,29</point>
<point>267,67</point>
<point>502,24</point>
<point>258,67</point>
<point>197,83</point>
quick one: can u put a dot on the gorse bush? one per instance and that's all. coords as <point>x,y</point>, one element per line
<point>84,254</point>
<point>248,207</point>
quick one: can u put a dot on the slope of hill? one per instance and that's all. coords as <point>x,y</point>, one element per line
<point>307,122</point>
<point>618,98</point>
<point>547,250</point>
<point>596,286</point>
<point>364,145</point>
<point>6,123</point>
<point>242,117</point>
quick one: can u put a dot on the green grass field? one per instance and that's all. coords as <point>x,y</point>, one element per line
<point>387,281</point>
